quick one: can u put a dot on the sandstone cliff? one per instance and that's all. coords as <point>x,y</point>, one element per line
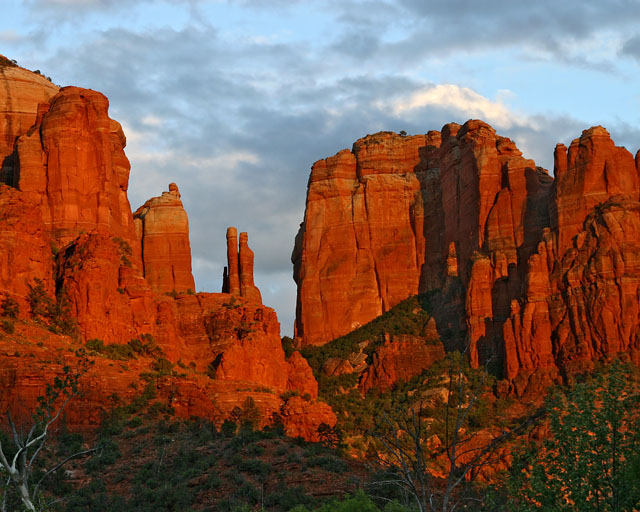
<point>67,224</point>
<point>162,227</point>
<point>20,95</point>
<point>545,269</point>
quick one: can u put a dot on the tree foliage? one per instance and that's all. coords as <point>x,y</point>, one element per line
<point>19,456</point>
<point>591,461</point>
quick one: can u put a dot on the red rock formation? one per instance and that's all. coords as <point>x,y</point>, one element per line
<point>25,250</point>
<point>109,301</point>
<point>546,271</point>
<point>302,417</point>
<point>399,359</point>
<point>237,278</point>
<point>347,272</point>
<point>581,293</point>
<point>21,93</point>
<point>72,163</point>
<point>589,173</point>
<point>245,260</point>
<point>232,282</point>
<point>32,357</point>
<point>71,200</point>
<point>383,220</point>
<point>162,227</point>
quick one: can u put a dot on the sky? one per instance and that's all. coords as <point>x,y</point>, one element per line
<point>234,100</point>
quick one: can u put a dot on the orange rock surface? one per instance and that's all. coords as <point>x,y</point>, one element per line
<point>68,223</point>
<point>72,163</point>
<point>104,293</point>
<point>162,227</point>
<point>546,270</point>
<point>21,93</point>
<point>32,357</point>
<point>25,250</point>
<point>361,247</point>
<point>238,274</point>
<point>399,359</point>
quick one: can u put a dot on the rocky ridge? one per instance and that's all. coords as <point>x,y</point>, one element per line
<point>105,276</point>
<point>545,270</point>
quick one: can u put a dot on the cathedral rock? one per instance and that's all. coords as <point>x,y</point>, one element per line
<point>68,232</point>
<point>546,271</point>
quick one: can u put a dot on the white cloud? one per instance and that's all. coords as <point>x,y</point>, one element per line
<point>459,99</point>
<point>10,36</point>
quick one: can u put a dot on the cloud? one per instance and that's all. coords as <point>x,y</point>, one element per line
<point>631,48</point>
<point>237,117</point>
<point>458,99</point>
<point>406,32</point>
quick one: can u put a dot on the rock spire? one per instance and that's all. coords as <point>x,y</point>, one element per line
<point>237,278</point>
<point>162,228</point>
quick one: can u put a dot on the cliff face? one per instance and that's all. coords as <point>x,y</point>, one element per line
<point>361,248</point>
<point>162,227</point>
<point>72,163</point>
<point>546,270</point>
<point>66,221</point>
<point>21,93</point>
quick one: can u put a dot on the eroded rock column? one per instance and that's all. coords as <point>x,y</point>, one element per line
<point>247,287</point>
<point>237,278</point>
<point>233,275</point>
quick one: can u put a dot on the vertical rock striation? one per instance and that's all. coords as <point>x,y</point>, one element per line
<point>546,269</point>
<point>162,228</point>
<point>66,220</point>
<point>237,278</point>
<point>72,164</point>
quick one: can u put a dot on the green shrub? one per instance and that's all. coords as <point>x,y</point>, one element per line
<point>7,325</point>
<point>39,301</point>
<point>55,314</point>
<point>329,463</point>
<point>145,346</point>
<point>162,366</point>
<point>9,308</point>
<point>287,346</point>
<point>113,351</point>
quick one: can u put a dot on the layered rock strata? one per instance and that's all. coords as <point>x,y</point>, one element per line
<point>545,270</point>
<point>20,95</point>
<point>162,227</point>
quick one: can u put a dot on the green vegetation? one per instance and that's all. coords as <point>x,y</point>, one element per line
<point>21,457</point>
<point>591,460</point>
<point>7,63</point>
<point>124,251</point>
<point>410,316</point>
<point>144,346</point>
<point>164,464</point>
<point>358,502</point>
<point>56,314</point>
<point>9,311</point>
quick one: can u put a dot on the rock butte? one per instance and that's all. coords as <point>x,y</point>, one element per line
<point>545,271</point>
<point>162,227</point>
<point>67,222</point>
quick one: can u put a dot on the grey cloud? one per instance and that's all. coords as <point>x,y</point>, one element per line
<point>435,29</point>
<point>273,108</point>
<point>631,48</point>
